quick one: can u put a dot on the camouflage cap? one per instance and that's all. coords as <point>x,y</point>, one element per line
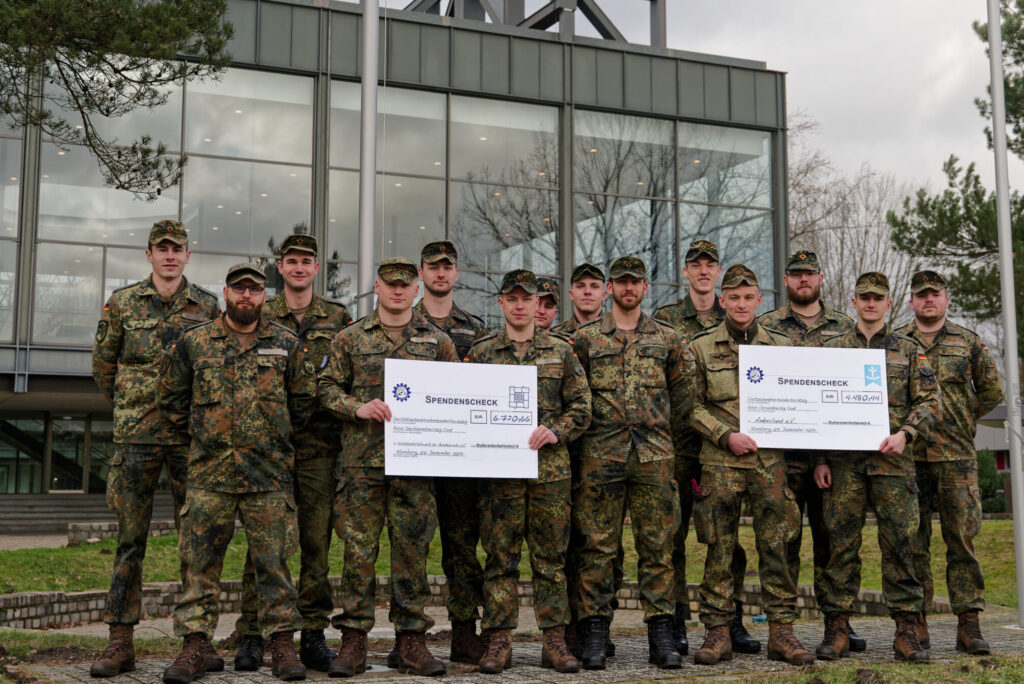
<point>299,243</point>
<point>398,269</point>
<point>240,272</point>
<point>585,270</point>
<point>628,266</point>
<point>547,287</point>
<point>804,260</point>
<point>435,251</point>
<point>873,282</point>
<point>699,247</point>
<point>927,280</point>
<point>171,231</point>
<point>519,278</point>
<point>737,275</point>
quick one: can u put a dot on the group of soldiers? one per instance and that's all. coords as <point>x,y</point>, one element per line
<point>274,411</point>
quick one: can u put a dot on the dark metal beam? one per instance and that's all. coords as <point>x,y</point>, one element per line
<point>600,21</point>
<point>427,6</point>
<point>549,15</point>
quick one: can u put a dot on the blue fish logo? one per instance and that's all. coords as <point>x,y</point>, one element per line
<point>872,375</point>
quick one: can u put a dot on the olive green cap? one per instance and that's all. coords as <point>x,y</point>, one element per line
<point>737,275</point>
<point>547,287</point>
<point>804,260</point>
<point>519,278</point>
<point>171,231</point>
<point>436,251</point>
<point>240,272</point>
<point>299,243</point>
<point>699,247</point>
<point>398,269</point>
<point>927,280</point>
<point>873,282</point>
<point>628,266</point>
<point>586,269</point>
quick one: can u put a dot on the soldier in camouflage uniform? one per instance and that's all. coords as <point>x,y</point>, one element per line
<point>883,480</point>
<point>733,466</point>
<point>638,369</point>
<point>139,322</point>
<point>698,311</point>
<point>537,510</point>
<point>586,292</point>
<point>547,302</point>
<point>808,322</point>
<point>315,320</point>
<point>946,463</point>
<point>351,386</point>
<point>240,387</point>
<point>457,515</point>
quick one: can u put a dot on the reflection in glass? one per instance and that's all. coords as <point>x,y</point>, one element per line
<point>477,293</point>
<point>209,270</point>
<point>74,203</point>
<point>624,155</point>
<point>341,283</point>
<point>101,449</point>
<point>742,235</point>
<point>10,186</point>
<point>608,227</point>
<point>67,454</point>
<point>410,129</point>
<point>725,165</point>
<point>8,280</point>
<point>659,294</point>
<point>21,472</point>
<point>499,228</point>
<point>252,114</point>
<point>67,298</point>
<point>504,142</point>
<point>124,267</point>
<point>233,206</point>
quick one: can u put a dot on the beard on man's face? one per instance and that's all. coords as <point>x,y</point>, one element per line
<point>804,297</point>
<point>243,315</point>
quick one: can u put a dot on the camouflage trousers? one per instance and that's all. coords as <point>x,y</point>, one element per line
<point>511,511</point>
<point>207,525</point>
<point>717,519</point>
<point>688,470</point>
<point>131,482</point>
<point>459,521</point>
<point>951,488</point>
<point>315,486</point>
<point>605,489</point>
<point>800,473</point>
<point>894,499</point>
<point>407,504</point>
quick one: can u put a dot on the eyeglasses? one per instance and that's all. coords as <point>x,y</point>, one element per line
<point>253,289</point>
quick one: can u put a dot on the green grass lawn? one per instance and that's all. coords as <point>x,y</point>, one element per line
<point>88,567</point>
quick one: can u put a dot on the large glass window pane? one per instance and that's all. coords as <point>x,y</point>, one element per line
<point>608,227</point>
<point>209,271</point>
<point>67,299</point>
<point>243,207</point>
<point>8,290</point>
<point>21,472</point>
<point>742,235</point>
<point>74,204</point>
<point>659,294</point>
<point>101,449</point>
<point>477,293</point>
<point>342,282</point>
<point>251,114</point>
<point>10,186</point>
<point>504,143</point>
<point>124,267</point>
<point>725,165</point>
<point>499,228</point>
<point>624,155</point>
<point>67,454</point>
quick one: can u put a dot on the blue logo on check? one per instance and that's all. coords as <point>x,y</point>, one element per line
<point>872,375</point>
<point>755,374</point>
<point>401,392</point>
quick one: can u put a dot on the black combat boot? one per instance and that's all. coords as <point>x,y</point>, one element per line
<point>595,642</point>
<point>314,651</point>
<point>661,647</point>
<point>857,643</point>
<point>679,629</point>
<point>250,654</point>
<point>742,642</point>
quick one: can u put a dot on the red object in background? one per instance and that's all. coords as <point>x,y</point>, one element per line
<point>1002,461</point>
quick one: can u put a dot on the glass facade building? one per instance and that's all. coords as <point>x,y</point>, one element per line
<point>523,149</point>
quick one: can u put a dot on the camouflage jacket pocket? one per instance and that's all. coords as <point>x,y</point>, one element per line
<point>723,379</point>
<point>652,359</point>
<point>549,383</point>
<point>953,364</point>
<point>319,342</point>
<point>141,340</point>
<point>604,369</point>
<point>898,376</point>
<point>270,378</point>
<point>208,385</point>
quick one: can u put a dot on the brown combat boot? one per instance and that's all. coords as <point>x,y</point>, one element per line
<point>717,646</point>
<point>922,632</point>
<point>572,639</point>
<point>555,653</point>
<point>415,658</point>
<point>467,647</point>
<point>191,662</point>
<point>351,658</point>
<point>120,653</point>
<point>283,658</point>
<point>783,645</point>
<point>836,643</point>
<point>499,651</point>
<point>968,634</point>
<point>906,645</point>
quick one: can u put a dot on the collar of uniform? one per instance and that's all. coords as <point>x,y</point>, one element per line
<point>264,328</point>
<point>220,327</point>
<point>690,310</point>
<point>940,334</point>
<point>458,314</point>
<point>826,313</point>
<point>279,306</point>
<point>721,334</point>
<point>882,334</point>
<point>148,289</point>
<point>420,322</point>
<point>646,324</point>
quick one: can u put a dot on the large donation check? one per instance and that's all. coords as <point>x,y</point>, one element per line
<point>459,419</point>
<point>813,398</point>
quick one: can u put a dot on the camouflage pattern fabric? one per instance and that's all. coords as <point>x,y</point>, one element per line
<point>461,326</point>
<point>831,324</point>
<point>208,523</point>
<point>717,517</point>
<point>682,315</point>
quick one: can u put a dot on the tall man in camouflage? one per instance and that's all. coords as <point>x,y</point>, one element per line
<point>351,386</point>
<point>734,466</point>
<point>536,510</point>
<point>240,386</point>
<point>945,462</point>
<point>587,293</point>
<point>698,311</point>
<point>638,369</point>
<point>315,320</point>
<point>457,515</point>
<point>547,303</point>
<point>137,324</point>
<point>883,480</point>
<point>808,322</point>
